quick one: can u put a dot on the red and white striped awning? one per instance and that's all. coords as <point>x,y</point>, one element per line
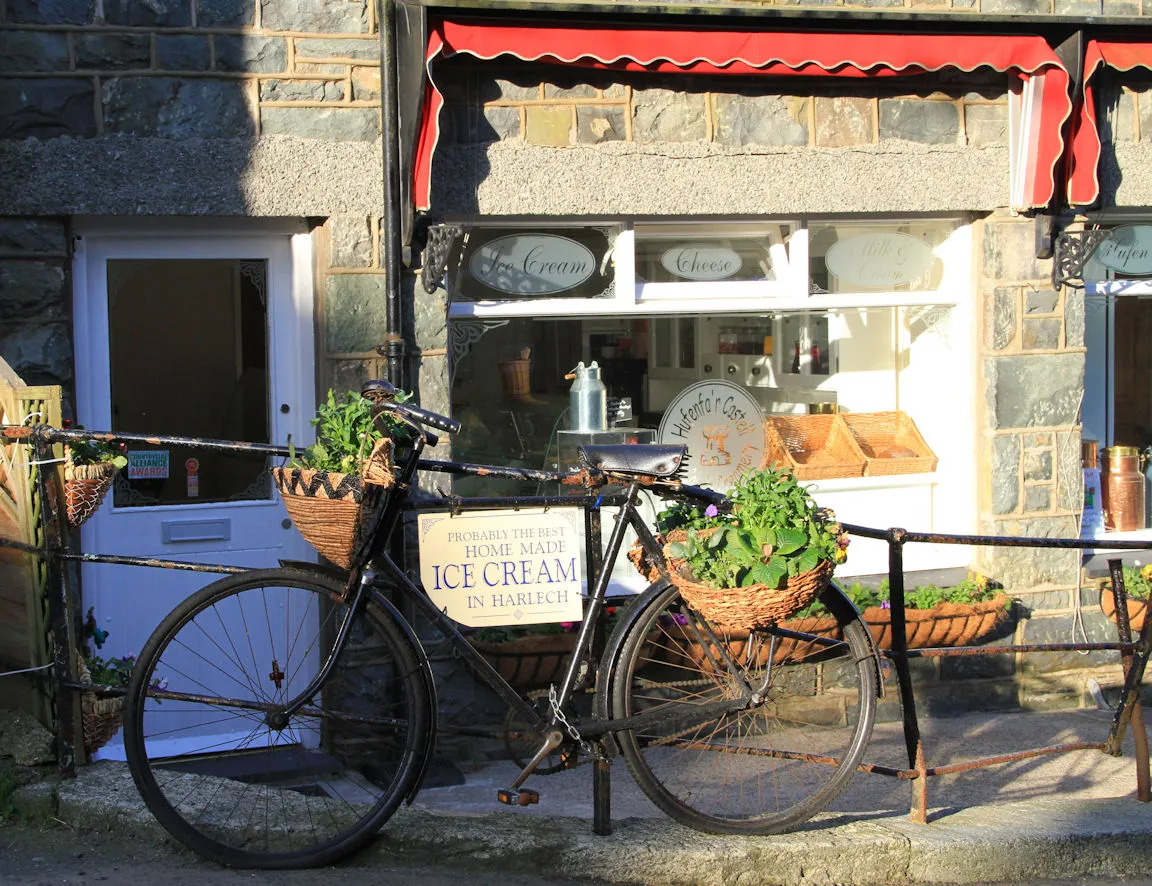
<point>1084,143</point>
<point>766,53</point>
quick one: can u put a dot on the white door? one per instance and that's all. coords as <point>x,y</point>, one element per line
<point>197,335</point>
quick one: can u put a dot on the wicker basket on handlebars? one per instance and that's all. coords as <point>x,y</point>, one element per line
<point>330,509</point>
<point>746,608</point>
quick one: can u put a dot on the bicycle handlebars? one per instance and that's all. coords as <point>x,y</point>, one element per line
<point>383,394</point>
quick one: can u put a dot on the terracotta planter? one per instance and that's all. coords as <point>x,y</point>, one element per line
<point>1137,608</point>
<point>947,624</point>
<point>529,662</point>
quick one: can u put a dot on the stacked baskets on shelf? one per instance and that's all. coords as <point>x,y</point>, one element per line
<point>847,444</point>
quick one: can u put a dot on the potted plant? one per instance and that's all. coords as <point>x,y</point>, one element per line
<point>758,561</point>
<point>89,468</point>
<point>326,485</point>
<point>1137,585</point>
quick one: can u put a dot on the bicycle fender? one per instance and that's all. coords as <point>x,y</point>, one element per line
<point>844,609</point>
<point>328,571</point>
<point>429,688</point>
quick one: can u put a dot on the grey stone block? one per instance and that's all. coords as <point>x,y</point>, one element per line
<point>174,108</point>
<point>32,235</point>
<point>113,52</point>
<point>760,120</point>
<point>1031,391</point>
<point>29,51</point>
<point>594,125</point>
<point>361,50</point>
<point>1031,566</point>
<point>957,698</point>
<point>349,375</point>
<point>661,115</point>
<point>148,13</point>
<point>26,740</point>
<point>1038,465</point>
<point>1037,498</point>
<point>262,55</point>
<point>334,16</point>
<point>50,12</point>
<point>1010,252</point>
<point>1069,473</point>
<point>986,124</point>
<point>41,353</point>
<point>1063,629</point>
<point>301,90</point>
<point>1000,323</point>
<point>330,124</point>
<point>47,108</point>
<point>1144,109</point>
<point>472,126</point>
<point>919,120</point>
<point>578,90</point>
<point>843,122</point>
<point>183,52</point>
<point>351,241</point>
<point>1074,318</point>
<point>1041,335</point>
<point>1005,474</point>
<point>225,13</point>
<point>355,312</point>
<point>430,327</point>
<point>32,290</point>
<point>1041,301</point>
<point>1014,7</point>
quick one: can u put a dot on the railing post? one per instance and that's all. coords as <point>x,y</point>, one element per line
<point>919,809</point>
<point>1131,711</point>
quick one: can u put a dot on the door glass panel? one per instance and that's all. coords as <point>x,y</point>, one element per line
<point>188,355</point>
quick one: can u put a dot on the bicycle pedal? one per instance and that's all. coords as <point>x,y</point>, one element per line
<point>522,797</point>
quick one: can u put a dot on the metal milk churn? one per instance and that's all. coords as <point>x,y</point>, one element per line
<point>587,399</point>
<point>1123,489</point>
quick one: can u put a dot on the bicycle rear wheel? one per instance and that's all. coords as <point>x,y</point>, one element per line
<point>760,770</point>
<point>219,764</point>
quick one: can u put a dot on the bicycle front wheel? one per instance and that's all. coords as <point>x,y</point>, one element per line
<point>222,766</point>
<point>762,769</point>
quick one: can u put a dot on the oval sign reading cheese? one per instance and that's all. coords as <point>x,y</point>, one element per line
<point>1128,250</point>
<point>701,261</point>
<point>879,261</point>
<point>532,264</point>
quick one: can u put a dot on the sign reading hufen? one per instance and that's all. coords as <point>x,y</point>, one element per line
<point>486,568</point>
<point>1128,250</point>
<point>723,427</point>
<point>883,260</point>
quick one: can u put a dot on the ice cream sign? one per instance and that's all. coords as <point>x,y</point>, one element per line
<point>503,567</point>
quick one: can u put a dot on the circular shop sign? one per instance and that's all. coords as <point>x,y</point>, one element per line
<point>532,264</point>
<point>882,260</point>
<point>701,261</point>
<point>723,427</point>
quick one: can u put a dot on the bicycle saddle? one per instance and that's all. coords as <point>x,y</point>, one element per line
<point>653,460</point>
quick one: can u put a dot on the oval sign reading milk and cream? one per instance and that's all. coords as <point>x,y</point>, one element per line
<point>701,261</point>
<point>532,264</point>
<point>882,260</point>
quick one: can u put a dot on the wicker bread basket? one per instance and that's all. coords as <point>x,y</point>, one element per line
<point>890,443</point>
<point>812,447</point>
<point>101,716</point>
<point>328,508</point>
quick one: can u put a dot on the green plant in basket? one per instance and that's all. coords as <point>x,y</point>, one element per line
<point>774,531</point>
<point>345,434</point>
<point>96,452</point>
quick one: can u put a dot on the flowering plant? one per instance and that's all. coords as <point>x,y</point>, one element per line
<point>974,588</point>
<point>345,434</point>
<point>113,672</point>
<point>771,532</point>
<point>1137,582</point>
<point>94,452</point>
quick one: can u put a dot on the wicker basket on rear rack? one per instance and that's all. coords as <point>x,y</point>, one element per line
<point>330,509</point>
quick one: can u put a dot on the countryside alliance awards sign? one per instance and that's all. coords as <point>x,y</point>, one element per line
<point>723,427</point>
<point>503,567</point>
<point>503,264</point>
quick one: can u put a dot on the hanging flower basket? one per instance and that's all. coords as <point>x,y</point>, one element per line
<point>101,715</point>
<point>85,487</point>
<point>1137,609</point>
<point>330,509</point>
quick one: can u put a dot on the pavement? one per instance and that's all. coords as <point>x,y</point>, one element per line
<point>1056,816</point>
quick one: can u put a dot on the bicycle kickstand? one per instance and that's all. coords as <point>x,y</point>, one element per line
<point>517,796</point>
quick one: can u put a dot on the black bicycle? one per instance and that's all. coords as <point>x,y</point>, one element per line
<point>277,718</point>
